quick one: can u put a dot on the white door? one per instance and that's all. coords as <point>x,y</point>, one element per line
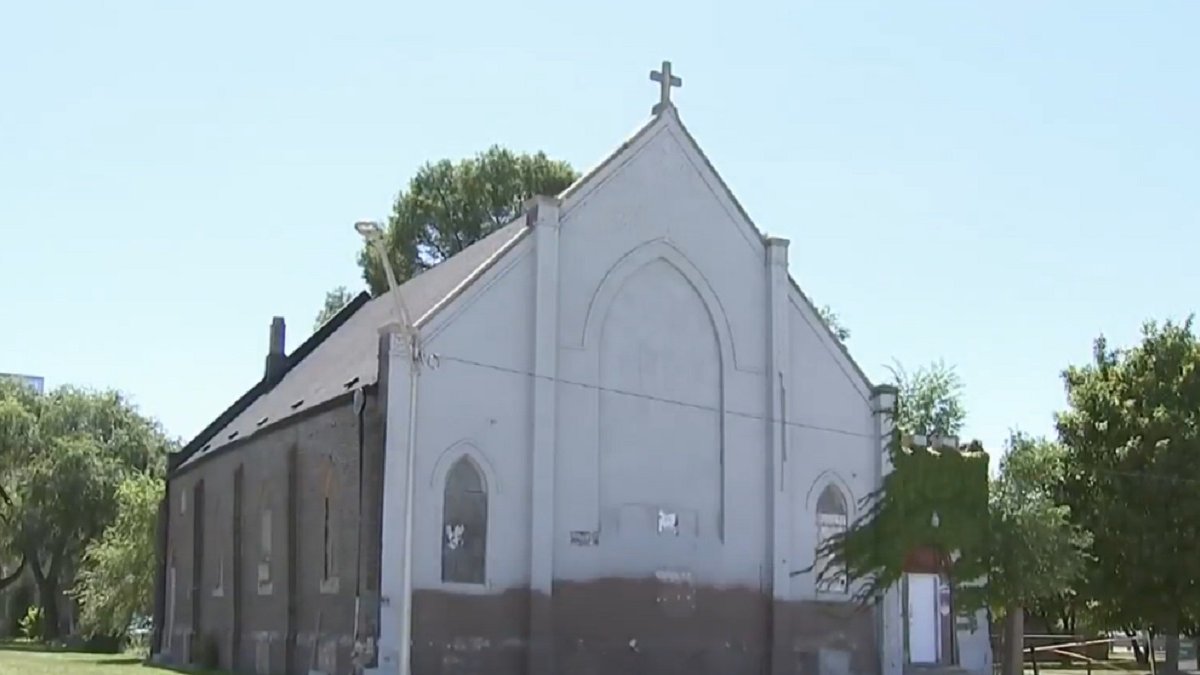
<point>923,625</point>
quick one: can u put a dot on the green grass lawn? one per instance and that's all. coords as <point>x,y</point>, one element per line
<point>32,659</point>
<point>32,662</point>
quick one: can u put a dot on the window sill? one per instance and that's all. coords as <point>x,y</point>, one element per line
<point>466,588</point>
<point>265,588</point>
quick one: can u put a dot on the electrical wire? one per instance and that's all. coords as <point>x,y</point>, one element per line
<point>437,357</point>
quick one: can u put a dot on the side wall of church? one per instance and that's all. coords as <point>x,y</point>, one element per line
<point>653,545</point>
<point>273,591</point>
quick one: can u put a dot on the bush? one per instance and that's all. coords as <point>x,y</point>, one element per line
<point>19,600</point>
<point>103,644</point>
<point>31,624</point>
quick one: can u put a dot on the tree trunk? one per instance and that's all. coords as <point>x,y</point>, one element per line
<point>47,587</point>
<point>1139,656</point>
<point>1171,640</point>
<point>1150,652</point>
<point>1013,662</point>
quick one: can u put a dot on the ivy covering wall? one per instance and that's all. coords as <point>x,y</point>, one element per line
<point>898,519</point>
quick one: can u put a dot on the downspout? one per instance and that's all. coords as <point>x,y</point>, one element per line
<point>360,406</point>
<point>414,373</point>
<point>373,233</point>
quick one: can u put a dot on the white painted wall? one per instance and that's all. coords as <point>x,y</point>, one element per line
<point>662,295</point>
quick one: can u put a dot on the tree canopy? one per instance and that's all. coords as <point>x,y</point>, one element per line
<point>67,442</point>
<point>834,322</point>
<point>450,205</point>
<point>929,400</point>
<point>1037,552</point>
<point>1132,432</point>
<point>335,300</point>
<point>116,579</point>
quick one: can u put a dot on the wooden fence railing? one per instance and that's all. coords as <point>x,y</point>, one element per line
<point>1076,648</point>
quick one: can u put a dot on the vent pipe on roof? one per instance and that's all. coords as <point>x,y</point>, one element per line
<point>275,355</point>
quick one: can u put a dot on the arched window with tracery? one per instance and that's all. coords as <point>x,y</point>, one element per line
<point>832,519</point>
<point>464,524</point>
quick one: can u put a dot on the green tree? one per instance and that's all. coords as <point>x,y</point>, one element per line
<point>929,400</point>
<point>450,205</point>
<point>335,300</point>
<point>116,581</point>
<point>74,443</point>
<point>1132,431</point>
<point>1037,553</point>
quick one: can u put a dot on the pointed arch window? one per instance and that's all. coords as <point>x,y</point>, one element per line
<point>832,520</point>
<point>464,524</point>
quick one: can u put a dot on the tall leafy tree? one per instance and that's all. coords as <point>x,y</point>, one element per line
<point>450,205</point>
<point>62,457</point>
<point>116,580</point>
<point>1132,431</point>
<point>1037,552</point>
<point>335,300</point>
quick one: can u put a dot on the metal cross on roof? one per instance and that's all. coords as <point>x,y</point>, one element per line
<point>666,80</point>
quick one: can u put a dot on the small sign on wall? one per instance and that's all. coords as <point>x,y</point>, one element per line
<point>585,538</point>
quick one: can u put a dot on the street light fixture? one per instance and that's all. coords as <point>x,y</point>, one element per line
<point>369,229</point>
<point>373,234</point>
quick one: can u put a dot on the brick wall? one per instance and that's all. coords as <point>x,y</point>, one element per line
<point>279,609</point>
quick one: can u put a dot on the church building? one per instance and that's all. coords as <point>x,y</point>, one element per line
<point>607,438</point>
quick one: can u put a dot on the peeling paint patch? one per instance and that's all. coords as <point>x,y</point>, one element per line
<point>327,658</point>
<point>262,656</point>
<point>469,644</point>
<point>676,592</point>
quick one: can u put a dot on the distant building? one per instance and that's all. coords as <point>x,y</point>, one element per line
<point>38,383</point>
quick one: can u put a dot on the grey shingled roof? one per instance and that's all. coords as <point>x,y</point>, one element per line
<point>348,357</point>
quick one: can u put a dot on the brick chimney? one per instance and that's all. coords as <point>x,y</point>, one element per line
<point>276,358</point>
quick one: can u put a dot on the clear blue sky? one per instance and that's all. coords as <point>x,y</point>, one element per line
<point>993,184</point>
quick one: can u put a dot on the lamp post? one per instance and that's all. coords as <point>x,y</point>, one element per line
<point>373,234</point>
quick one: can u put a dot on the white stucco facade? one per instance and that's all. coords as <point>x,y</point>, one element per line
<point>639,354</point>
